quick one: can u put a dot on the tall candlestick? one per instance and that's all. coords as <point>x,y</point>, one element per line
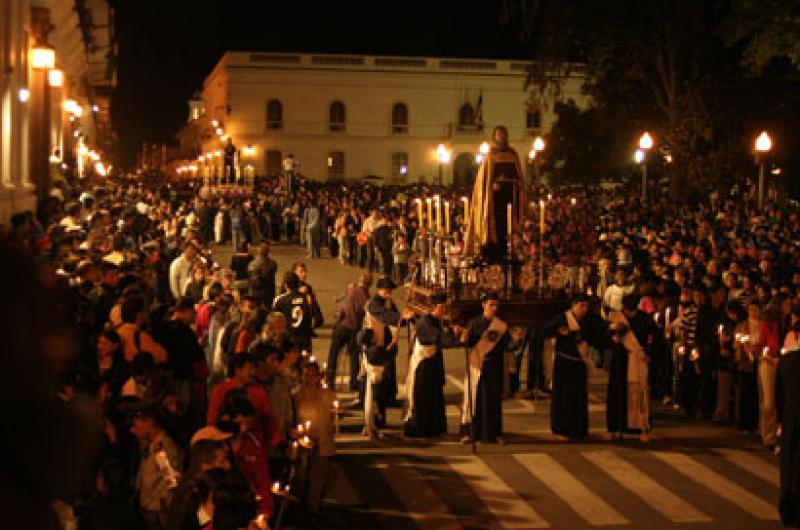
<point>508,219</point>
<point>419,211</point>
<point>447,218</point>
<point>430,212</point>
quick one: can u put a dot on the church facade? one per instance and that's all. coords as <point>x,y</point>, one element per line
<point>355,116</point>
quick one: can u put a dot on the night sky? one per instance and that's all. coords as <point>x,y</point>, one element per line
<point>167,48</point>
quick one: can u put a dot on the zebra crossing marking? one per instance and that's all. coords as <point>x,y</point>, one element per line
<point>580,499</point>
<point>643,486</point>
<point>503,502</point>
<point>752,464</point>
<point>697,472</point>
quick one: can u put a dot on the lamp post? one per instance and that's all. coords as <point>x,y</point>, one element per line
<point>762,147</point>
<point>645,144</point>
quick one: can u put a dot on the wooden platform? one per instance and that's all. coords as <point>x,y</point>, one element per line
<point>516,310</point>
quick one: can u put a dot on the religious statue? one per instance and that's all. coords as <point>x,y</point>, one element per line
<point>229,162</point>
<point>498,198</point>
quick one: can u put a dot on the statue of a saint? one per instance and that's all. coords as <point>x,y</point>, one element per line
<point>498,186</point>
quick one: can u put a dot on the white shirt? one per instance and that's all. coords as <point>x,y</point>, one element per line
<point>615,294</point>
<point>179,274</point>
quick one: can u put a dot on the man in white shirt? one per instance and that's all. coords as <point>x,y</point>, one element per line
<point>289,165</point>
<point>180,270</point>
<point>369,226</point>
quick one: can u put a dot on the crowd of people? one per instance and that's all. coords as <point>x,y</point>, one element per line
<point>211,411</point>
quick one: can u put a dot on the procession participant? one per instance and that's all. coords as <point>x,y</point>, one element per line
<point>425,380</point>
<point>349,319</point>
<point>569,414</point>
<point>628,406</point>
<point>787,403</point>
<point>301,311</point>
<point>498,184</point>
<point>379,337</point>
<point>488,338</point>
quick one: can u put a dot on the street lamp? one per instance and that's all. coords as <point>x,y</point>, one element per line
<point>55,77</point>
<point>645,144</point>
<point>763,146</point>
<point>43,57</point>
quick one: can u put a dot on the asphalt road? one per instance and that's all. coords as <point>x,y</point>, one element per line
<point>693,474</point>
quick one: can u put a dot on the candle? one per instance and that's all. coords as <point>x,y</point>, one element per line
<point>419,211</point>
<point>438,214</point>
<point>308,425</point>
<point>695,354</point>
<point>335,404</point>
<point>765,351</point>
<point>541,217</point>
<point>655,317</point>
<point>276,487</point>
<point>447,217</point>
<point>466,208</point>
<point>430,212</point>
<point>574,201</point>
<point>293,450</point>
<point>666,322</point>
<point>509,221</point>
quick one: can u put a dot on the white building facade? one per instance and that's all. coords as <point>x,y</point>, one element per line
<point>46,112</point>
<point>353,116</point>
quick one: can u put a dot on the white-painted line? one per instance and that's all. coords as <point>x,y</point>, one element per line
<point>569,489</point>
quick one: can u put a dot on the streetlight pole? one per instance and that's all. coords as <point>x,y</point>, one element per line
<point>645,144</point>
<point>763,146</point>
<point>538,147</point>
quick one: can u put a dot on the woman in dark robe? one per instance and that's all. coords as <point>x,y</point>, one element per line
<point>425,384</point>
<point>787,403</point>
<point>569,412</point>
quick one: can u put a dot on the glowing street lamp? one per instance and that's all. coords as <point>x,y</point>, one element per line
<point>43,57</point>
<point>533,155</point>
<point>763,146</point>
<point>55,77</point>
<point>645,144</point>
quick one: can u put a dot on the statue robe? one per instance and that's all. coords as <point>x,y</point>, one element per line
<point>497,184</point>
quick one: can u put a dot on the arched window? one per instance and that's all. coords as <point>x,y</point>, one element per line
<point>399,118</point>
<point>466,116</point>
<point>274,115</point>
<point>399,165</point>
<point>336,117</point>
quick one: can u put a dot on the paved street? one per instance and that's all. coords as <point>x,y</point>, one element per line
<point>692,475</point>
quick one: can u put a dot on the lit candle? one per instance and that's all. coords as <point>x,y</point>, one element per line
<point>655,317</point>
<point>541,217</point>
<point>295,447</point>
<point>335,404</point>
<point>765,351</point>
<point>308,425</point>
<point>574,201</point>
<point>276,487</point>
<point>438,214</point>
<point>466,208</point>
<point>430,212</point>
<point>695,354</point>
<point>509,223</point>
<point>419,211</point>
<point>447,217</point>
<point>666,322</point>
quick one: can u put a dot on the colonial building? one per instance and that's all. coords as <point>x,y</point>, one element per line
<point>355,116</point>
<point>56,78</point>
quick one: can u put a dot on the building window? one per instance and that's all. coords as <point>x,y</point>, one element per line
<point>533,120</point>
<point>274,115</point>
<point>399,165</point>
<point>273,162</point>
<point>399,118</point>
<point>466,116</point>
<point>336,117</point>
<point>335,165</point>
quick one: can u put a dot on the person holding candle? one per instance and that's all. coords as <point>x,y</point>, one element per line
<point>315,412</point>
<point>746,390</point>
<point>498,186</point>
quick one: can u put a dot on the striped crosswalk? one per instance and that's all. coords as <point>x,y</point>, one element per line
<point>585,488</point>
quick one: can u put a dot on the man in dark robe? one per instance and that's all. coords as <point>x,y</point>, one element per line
<point>425,382</point>
<point>787,403</point>
<point>488,339</point>
<point>380,336</point>
<point>569,411</point>
<point>498,185</point>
